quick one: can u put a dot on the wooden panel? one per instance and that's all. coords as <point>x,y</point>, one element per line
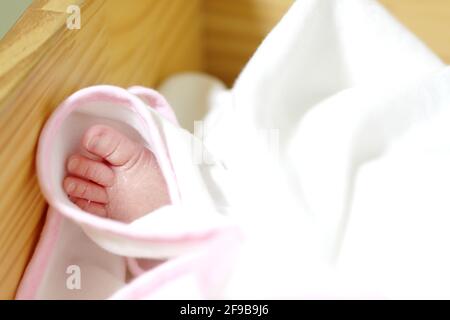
<point>42,62</point>
<point>234,29</point>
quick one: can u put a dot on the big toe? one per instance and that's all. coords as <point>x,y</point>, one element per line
<point>111,145</point>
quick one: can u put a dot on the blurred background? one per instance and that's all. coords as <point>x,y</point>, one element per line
<point>10,11</point>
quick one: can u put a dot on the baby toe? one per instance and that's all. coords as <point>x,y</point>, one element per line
<point>111,145</point>
<point>92,170</point>
<point>79,188</point>
<point>91,207</point>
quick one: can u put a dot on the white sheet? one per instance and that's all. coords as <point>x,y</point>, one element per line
<point>336,144</point>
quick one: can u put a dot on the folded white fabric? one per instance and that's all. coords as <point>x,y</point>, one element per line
<point>337,152</point>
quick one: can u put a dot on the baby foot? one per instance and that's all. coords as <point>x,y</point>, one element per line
<point>120,179</point>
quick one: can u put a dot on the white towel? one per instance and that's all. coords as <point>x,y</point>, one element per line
<point>336,143</point>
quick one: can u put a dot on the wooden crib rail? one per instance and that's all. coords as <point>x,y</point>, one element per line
<point>42,62</point>
<point>125,43</point>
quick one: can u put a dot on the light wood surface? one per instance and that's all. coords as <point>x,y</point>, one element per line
<point>234,29</point>
<point>125,43</point>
